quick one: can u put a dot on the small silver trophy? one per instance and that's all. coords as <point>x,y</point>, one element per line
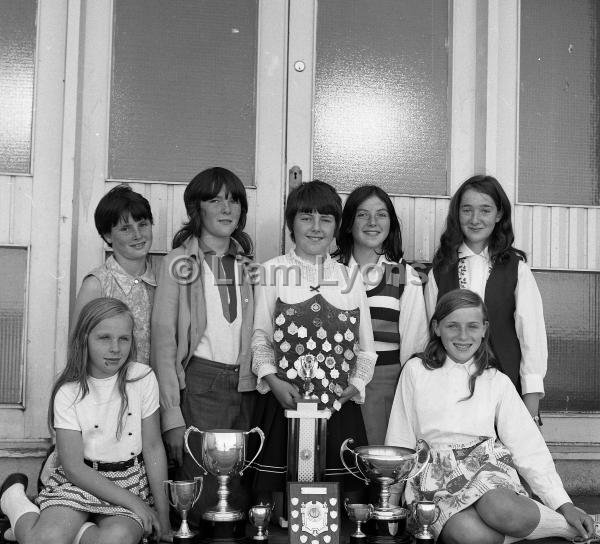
<point>182,496</point>
<point>426,513</point>
<point>259,516</point>
<point>359,513</point>
<point>307,371</point>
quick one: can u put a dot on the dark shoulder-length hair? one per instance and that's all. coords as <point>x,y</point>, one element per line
<point>502,238</point>
<point>392,245</point>
<point>204,186</point>
<point>434,355</point>
<point>313,196</point>
<point>76,369</point>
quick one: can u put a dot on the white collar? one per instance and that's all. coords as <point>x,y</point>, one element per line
<point>465,251</point>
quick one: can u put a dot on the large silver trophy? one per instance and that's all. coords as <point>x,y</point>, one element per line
<point>182,495</point>
<point>386,466</point>
<point>223,452</point>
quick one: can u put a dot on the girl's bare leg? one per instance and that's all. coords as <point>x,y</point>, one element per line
<point>467,527</point>
<point>54,525</point>
<point>111,529</point>
<point>508,513</point>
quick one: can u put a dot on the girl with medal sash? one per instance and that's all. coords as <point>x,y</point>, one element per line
<point>307,307</point>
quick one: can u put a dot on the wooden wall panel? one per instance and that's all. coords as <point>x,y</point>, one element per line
<point>15,210</point>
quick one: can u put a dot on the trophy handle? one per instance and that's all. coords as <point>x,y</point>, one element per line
<point>260,433</point>
<point>188,431</point>
<point>166,487</point>
<point>344,448</point>
<point>422,447</point>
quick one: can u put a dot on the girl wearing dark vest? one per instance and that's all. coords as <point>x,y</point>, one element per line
<point>476,252</point>
<point>370,244</point>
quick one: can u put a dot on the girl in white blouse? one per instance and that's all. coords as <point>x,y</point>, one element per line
<point>481,437</point>
<point>476,252</point>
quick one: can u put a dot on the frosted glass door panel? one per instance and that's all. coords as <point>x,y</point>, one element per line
<point>381,107</point>
<point>17,53</point>
<point>571,311</point>
<point>183,88</point>
<point>559,102</point>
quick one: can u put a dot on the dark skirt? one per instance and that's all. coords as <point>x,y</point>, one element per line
<point>268,472</point>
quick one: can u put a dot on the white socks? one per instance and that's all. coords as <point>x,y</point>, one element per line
<point>82,530</point>
<point>14,503</point>
<point>551,524</point>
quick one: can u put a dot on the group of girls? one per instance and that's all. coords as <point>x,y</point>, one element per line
<point>226,349</point>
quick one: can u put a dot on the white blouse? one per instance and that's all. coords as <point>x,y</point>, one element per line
<point>529,314</point>
<point>290,278</point>
<point>428,404</point>
<point>412,323</point>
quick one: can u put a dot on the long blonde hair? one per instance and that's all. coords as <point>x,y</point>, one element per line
<point>76,369</point>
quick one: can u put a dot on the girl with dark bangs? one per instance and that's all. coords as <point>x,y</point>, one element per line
<point>202,324</point>
<point>476,252</point>
<point>481,436</point>
<point>309,314</point>
<point>370,245</point>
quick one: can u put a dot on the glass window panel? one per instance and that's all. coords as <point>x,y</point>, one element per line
<point>183,88</point>
<point>559,102</point>
<point>380,110</point>
<point>571,309</point>
<point>17,55</point>
<point>13,271</point>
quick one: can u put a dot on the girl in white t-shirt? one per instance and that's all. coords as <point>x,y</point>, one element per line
<point>104,410</point>
<point>481,436</point>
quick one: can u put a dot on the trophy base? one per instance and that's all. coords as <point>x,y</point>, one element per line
<point>392,514</point>
<point>223,516</point>
<point>192,539</point>
<point>358,539</point>
<point>387,531</point>
<point>425,540</point>
<point>223,531</point>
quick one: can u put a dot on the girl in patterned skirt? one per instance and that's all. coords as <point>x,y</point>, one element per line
<point>481,435</point>
<point>104,410</point>
<point>308,311</point>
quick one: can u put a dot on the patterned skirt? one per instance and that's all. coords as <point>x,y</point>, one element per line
<point>459,475</point>
<point>59,491</point>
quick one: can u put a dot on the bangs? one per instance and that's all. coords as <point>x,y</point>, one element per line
<point>138,211</point>
<point>232,184</point>
<point>316,202</point>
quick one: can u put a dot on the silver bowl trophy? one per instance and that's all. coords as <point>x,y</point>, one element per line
<point>182,495</point>
<point>259,515</point>
<point>386,466</point>
<point>359,513</point>
<point>425,514</point>
<point>223,452</point>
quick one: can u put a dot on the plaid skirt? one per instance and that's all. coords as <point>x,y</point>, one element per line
<point>59,491</point>
<point>459,475</point>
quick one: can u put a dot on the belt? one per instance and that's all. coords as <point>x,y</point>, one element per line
<point>116,466</point>
<point>385,358</point>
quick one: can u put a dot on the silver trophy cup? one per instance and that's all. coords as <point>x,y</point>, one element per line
<point>359,513</point>
<point>386,465</point>
<point>425,513</point>
<point>307,371</point>
<point>259,516</point>
<point>223,452</point>
<point>182,495</point>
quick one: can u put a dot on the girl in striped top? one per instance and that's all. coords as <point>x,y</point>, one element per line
<point>370,244</point>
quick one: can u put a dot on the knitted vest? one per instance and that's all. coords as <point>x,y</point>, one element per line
<point>500,302</point>
<point>385,313</point>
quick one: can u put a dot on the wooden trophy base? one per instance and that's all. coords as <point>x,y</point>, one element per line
<point>386,531</point>
<point>223,531</point>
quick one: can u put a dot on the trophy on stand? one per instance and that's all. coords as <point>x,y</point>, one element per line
<point>386,465</point>
<point>425,513</point>
<point>359,513</point>
<point>307,428</point>
<point>259,516</point>
<point>182,495</point>
<point>223,452</point>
